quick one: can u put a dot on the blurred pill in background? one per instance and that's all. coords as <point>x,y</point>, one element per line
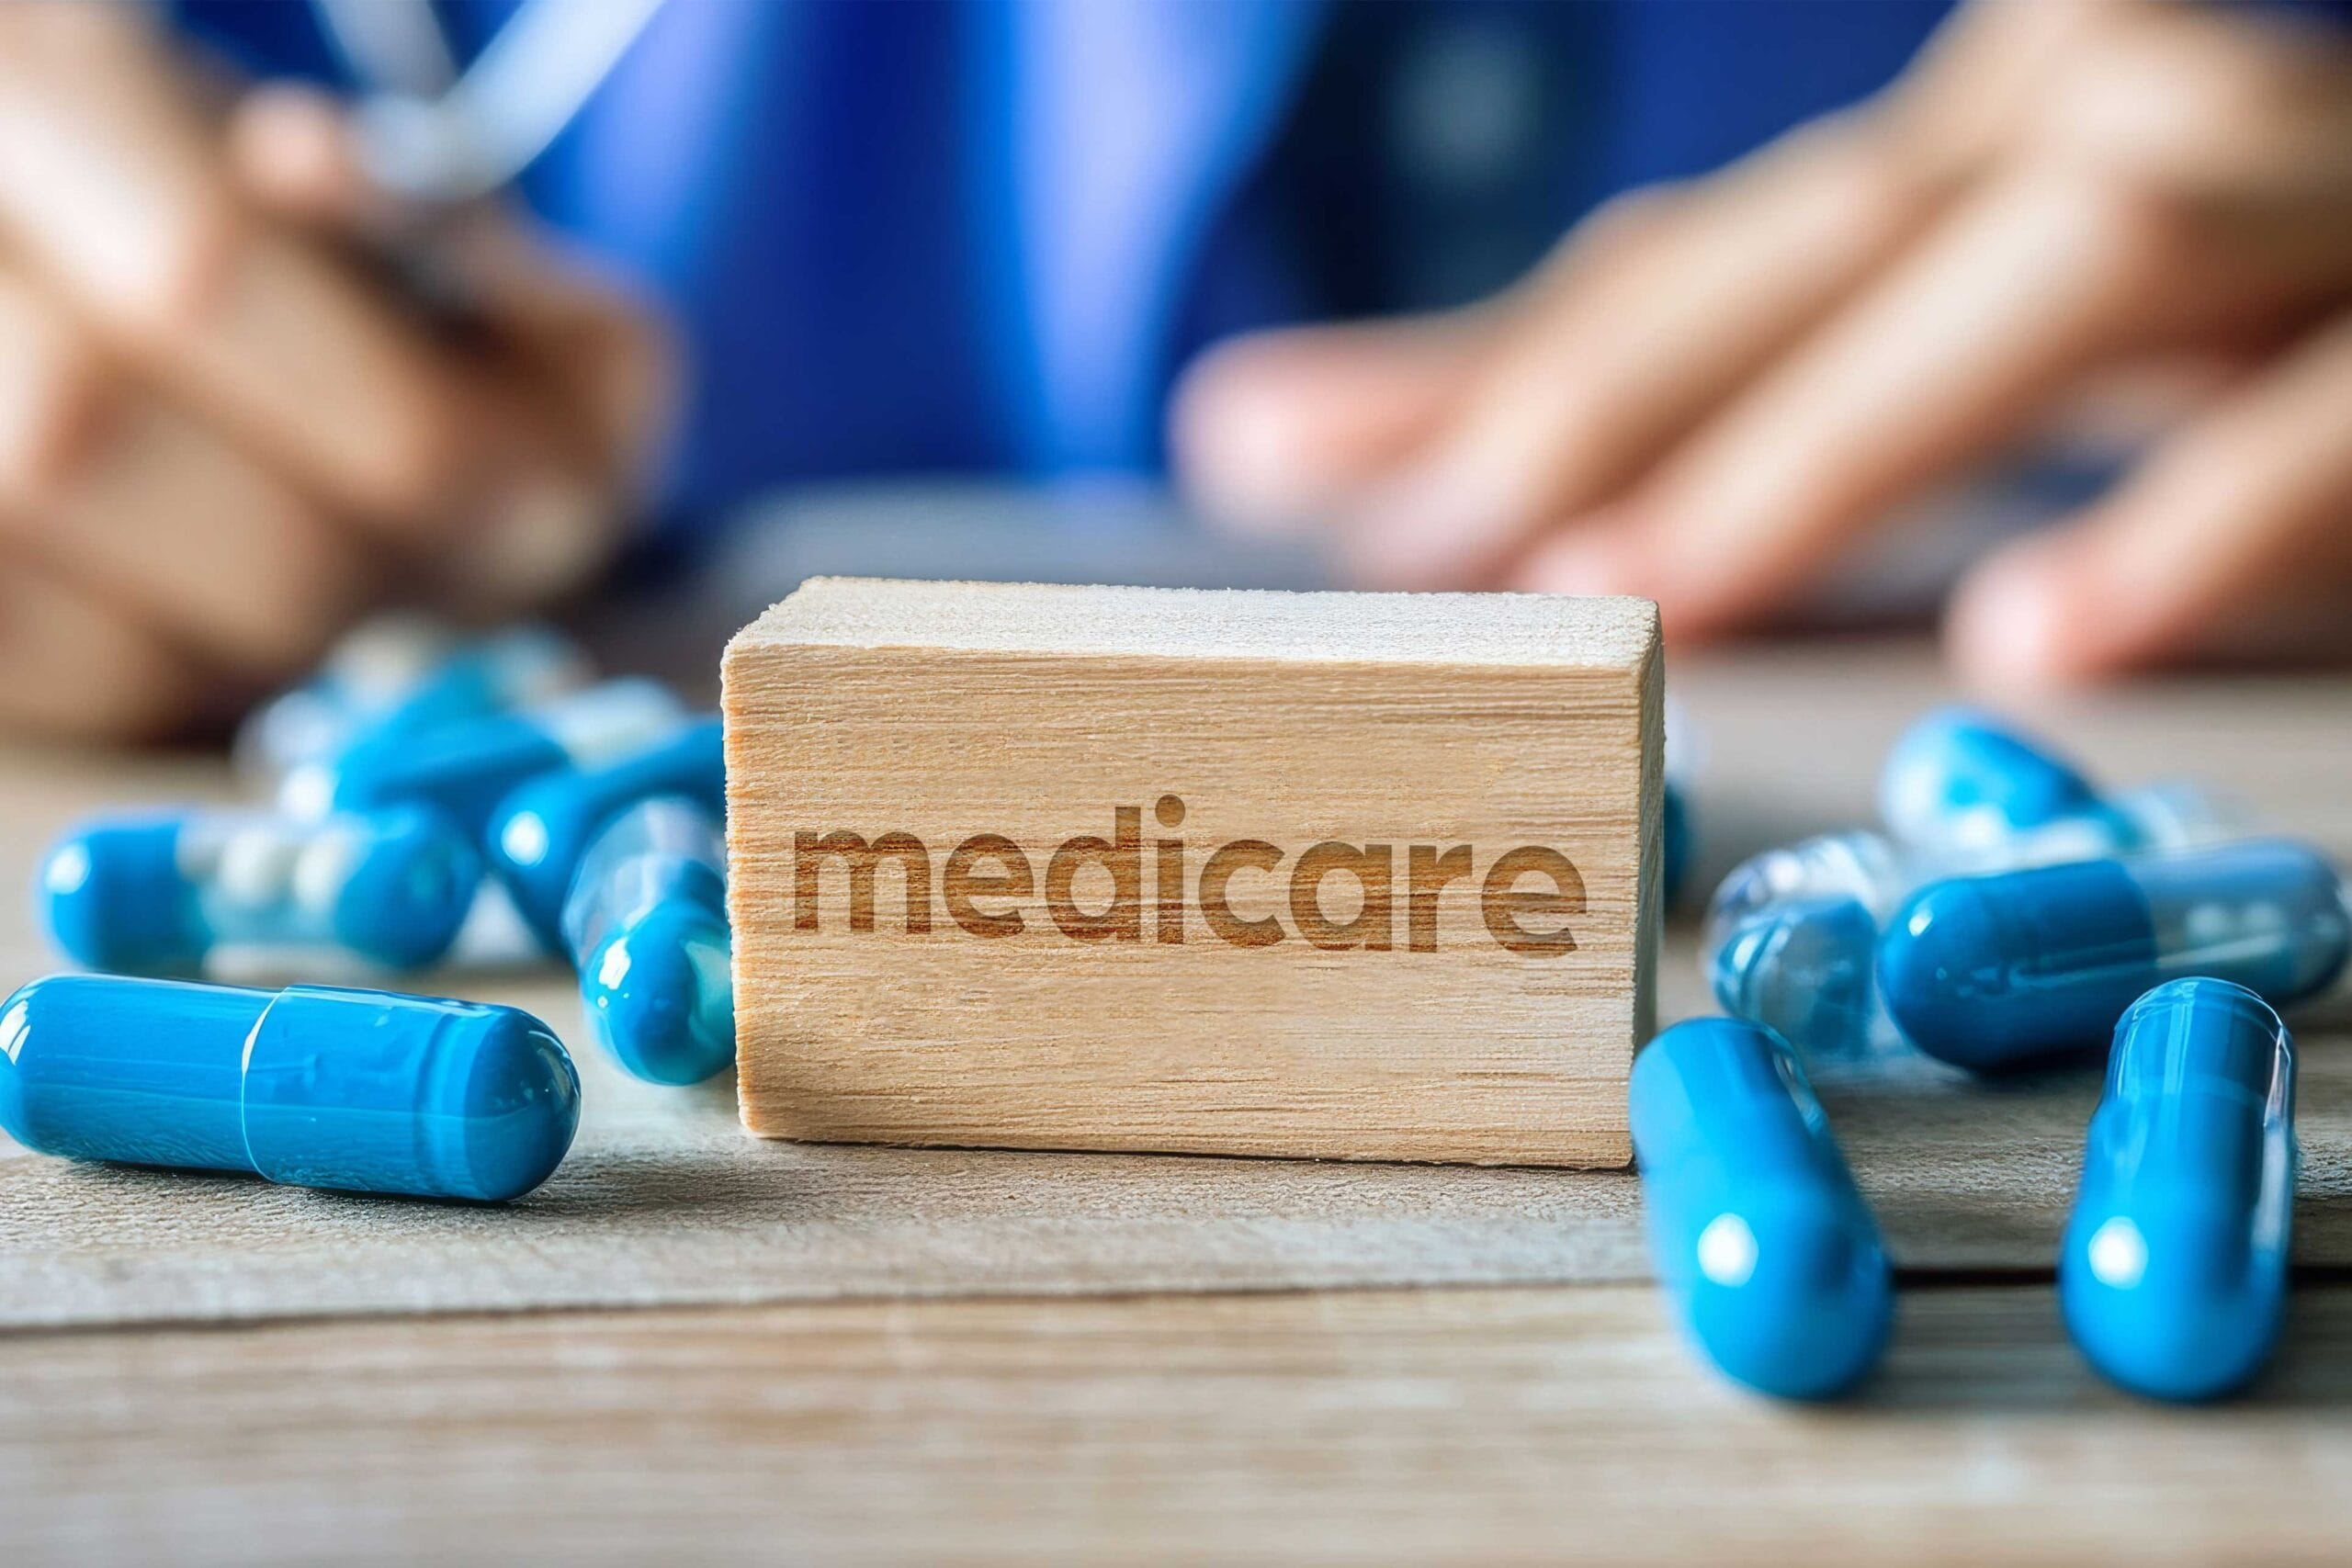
<point>404,674</point>
<point>465,767</point>
<point>1760,1238</point>
<point>173,894</point>
<point>538,837</point>
<point>2002,971</point>
<point>2173,1273</point>
<point>368,1091</point>
<point>646,926</point>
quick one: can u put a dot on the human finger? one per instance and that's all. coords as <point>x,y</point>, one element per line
<point>127,495</point>
<point>2235,538</point>
<point>1604,372</point>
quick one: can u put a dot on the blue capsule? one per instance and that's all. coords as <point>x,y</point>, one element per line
<point>163,895</point>
<point>405,674</point>
<point>1674,826</point>
<point>537,835</point>
<point>2173,1275</point>
<point>1759,1233</point>
<point>465,767</point>
<point>1991,972</point>
<point>1960,777</point>
<point>368,1091</point>
<point>646,925</point>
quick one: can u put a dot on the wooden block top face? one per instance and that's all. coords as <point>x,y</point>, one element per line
<point>1336,876</point>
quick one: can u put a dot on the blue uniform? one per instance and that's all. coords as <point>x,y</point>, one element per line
<point>960,236</point>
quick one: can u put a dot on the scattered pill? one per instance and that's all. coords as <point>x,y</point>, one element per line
<point>1959,776</point>
<point>646,924</point>
<point>1674,825</point>
<point>1991,971</point>
<point>369,1091</point>
<point>465,767</point>
<point>1760,1236</point>
<point>538,837</point>
<point>2173,1275</point>
<point>161,895</point>
<point>404,674</point>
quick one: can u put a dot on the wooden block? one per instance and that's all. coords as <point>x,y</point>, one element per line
<point>1362,876</point>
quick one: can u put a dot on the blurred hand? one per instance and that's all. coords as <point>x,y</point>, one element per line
<point>1709,392</point>
<point>222,435</point>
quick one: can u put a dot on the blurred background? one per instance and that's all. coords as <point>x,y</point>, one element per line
<point>2034,318</point>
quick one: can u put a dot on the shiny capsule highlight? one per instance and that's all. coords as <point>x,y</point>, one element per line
<point>365,1091</point>
<point>2173,1273</point>
<point>646,926</point>
<point>1994,972</point>
<point>164,895</point>
<point>1772,1259</point>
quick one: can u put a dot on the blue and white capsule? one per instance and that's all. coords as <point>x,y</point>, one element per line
<point>1995,971</point>
<point>538,836</point>
<point>1791,934</point>
<point>1961,778</point>
<point>366,1091</point>
<point>404,674</point>
<point>646,925</point>
<point>170,895</point>
<point>463,769</point>
<point>1760,1235</point>
<point>2173,1274</point>
<point>1967,792</point>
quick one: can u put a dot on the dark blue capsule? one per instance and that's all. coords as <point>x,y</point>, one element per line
<point>646,926</point>
<point>2173,1275</point>
<point>538,836</point>
<point>1991,972</point>
<point>1759,1235</point>
<point>1960,777</point>
<point>369,1091</point>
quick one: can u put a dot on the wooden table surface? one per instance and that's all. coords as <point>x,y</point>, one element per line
<point>1502,1422</point>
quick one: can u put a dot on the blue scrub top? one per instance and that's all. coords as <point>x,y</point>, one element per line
<point>984,235</point>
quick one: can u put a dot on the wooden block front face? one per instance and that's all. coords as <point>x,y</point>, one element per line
<point>1336,876</point>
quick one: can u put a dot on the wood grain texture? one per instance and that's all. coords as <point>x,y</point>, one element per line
<point>1340,875</point>
<point>1478,1426</point>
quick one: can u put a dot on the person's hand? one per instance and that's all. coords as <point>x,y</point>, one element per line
<point>222,433</point>
<point>1708,394</point>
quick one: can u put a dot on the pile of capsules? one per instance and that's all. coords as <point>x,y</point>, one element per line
<point>433,799</point>
<point>2012,915</point>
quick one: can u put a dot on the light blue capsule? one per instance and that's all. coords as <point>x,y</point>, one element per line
<point>465,767</point>
<point>539,835</point>
<point>1995,971</point>
<point>1769,1252</point>
<point>646,926</point>
<point>404,674</point>
<point>368,1091</point>
<point>163,895</point>
<point>2173,1274</point>
<point>1959,776</point>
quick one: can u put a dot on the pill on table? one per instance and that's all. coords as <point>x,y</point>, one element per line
<point>2173,1275</point>
<point>1959,776</point>
<point>369,1091</point>
<point>1758,1234</point>
<point>465,768</point>
<point>1674,827</point>
<point>1990,971</point>
<point>405,673</point>
<point>646,926</point>
<point>1803,969</point>
<point>538,834</point>
<point>158,894</point>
